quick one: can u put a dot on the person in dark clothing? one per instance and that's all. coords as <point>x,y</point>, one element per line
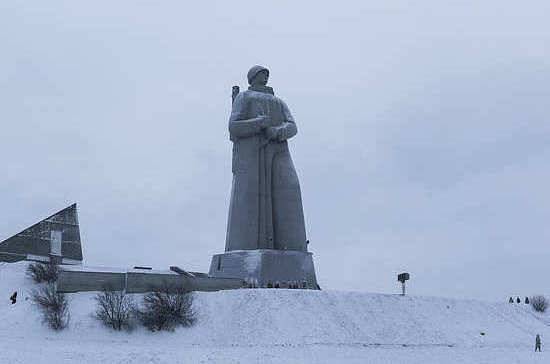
<point>511,300</point>
<point>518,300</point>
<point>13,298</point>
<point>526,300</point>
<point>537,343</point>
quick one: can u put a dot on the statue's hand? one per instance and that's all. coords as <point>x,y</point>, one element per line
<point>281,135</point>
<point>272,133</point>
<point>263,121</point>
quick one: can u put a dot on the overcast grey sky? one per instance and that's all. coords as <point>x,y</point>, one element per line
<point>423,142</point>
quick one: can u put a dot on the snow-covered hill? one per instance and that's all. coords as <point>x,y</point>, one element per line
<point>271,325</point>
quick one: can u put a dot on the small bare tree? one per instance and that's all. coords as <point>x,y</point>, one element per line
<point>115,309</point>
<point>539,303</point>
<point>54,306</point>
<point>40,272</point>
<point>166,308</point>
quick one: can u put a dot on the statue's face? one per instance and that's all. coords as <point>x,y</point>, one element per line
<point>260,79</point>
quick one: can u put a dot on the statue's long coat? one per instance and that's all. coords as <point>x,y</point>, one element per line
<point>265,211</point>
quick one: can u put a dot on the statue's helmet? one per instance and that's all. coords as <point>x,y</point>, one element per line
<point>254,71</point>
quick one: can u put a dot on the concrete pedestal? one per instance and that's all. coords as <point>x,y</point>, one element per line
<point>266,268</point>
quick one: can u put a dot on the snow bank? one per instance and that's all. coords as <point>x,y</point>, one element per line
<point>287,317</point>
<point>281,318</point>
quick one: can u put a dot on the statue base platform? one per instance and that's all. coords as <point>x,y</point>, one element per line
<point>266,268</point>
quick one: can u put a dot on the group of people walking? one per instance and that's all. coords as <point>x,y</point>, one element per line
<point>518,300</point>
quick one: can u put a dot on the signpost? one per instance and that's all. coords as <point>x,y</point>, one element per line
<point>403,277</point>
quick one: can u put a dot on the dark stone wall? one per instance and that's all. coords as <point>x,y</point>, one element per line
<point>11,258</point>
<point>71,250</point>
<point>134,282</point>
<point>26,245</point>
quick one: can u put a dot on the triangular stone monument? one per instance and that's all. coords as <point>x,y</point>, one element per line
<point>56,238</point>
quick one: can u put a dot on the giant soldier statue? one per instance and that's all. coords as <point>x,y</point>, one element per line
<point>265,211</point>
<point>266,238</point>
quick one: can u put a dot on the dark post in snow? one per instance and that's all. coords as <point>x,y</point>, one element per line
<point>403,277</point>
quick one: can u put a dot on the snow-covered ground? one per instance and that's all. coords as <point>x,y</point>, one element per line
<point>276,325</point>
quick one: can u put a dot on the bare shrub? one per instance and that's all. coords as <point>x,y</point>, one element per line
<point>167,308</point>
<point>115,309</point>
<point>54,306</point>
<point>40,272</point>
<point>539,303</point>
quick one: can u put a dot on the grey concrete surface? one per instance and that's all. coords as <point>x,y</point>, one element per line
<point>75,279</point>
<point>264,268</point>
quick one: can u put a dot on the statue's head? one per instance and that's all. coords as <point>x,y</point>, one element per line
<point>258,76</point>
